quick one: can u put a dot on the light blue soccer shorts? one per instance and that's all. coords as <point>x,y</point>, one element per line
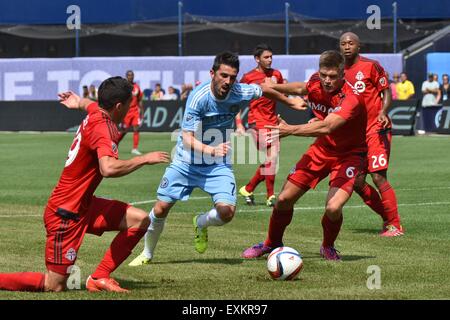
<point>181,178</point>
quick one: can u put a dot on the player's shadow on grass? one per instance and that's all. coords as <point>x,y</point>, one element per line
<point>200,260</point>
<point>344,257</point>
<point>131,285</point>
<point>372,231</point>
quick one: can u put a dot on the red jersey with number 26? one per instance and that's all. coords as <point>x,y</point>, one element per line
<point>346,103</point>
<point>369,79</point>
<point>96,137</point>
<point>262,111</point>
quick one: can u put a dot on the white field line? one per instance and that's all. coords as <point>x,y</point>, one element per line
<point>421,204</point>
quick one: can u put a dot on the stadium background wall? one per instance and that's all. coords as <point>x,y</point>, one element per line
<point>159,116</point>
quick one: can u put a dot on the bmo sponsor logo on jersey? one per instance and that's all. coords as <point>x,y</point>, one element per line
<point>321,108</point>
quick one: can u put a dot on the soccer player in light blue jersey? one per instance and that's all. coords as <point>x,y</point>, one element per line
<point>202,158</point>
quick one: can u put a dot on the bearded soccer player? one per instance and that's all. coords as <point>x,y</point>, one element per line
<point>73,210</point>
<point>134,115</point>
<point>338,152</point>
<point>262,112</point>
<point>203,158</point>
<point>370,80</point>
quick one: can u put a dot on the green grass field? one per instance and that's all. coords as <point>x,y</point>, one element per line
<point>414,266</point>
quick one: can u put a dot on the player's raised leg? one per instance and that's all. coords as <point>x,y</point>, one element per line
<point>281,217</point>
<point>157,216</point>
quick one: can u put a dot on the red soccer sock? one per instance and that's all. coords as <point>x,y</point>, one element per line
<point>119,250</point>
<point>270,183</point>
<point>330,230</point>
<point>257,178</point>
<point>372,198</point>
<point>389,201</point>
<point>22,281</point>
<point>135,139</point>
<point>279,220</point>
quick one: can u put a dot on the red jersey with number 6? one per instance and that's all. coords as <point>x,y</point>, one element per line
<point>369,79</point>
<point>96,137</point>
<point>346,103</point>
<point>262,111</point>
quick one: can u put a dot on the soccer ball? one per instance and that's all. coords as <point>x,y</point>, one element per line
<point>284,263</point>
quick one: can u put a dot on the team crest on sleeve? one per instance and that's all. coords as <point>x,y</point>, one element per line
<point>164,182</point>
<point>114,147</point>
<point>383,81</point>
<point>274,79</point>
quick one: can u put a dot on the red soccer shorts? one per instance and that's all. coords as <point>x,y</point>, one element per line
<point>379,150</point>
<point>66,230</point>
<point>132,119</point>
<point>316,164</point>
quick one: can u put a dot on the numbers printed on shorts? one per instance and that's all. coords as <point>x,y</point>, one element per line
<point>350,172</point>
<point>379,161</point>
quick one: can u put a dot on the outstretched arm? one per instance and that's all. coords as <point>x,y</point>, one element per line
<point>73,101</point>
<point>111,167</point>
<point>295,103</point>
<point>291,88</point>
<point>313,129</point>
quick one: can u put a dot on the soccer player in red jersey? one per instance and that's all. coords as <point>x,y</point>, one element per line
<point>370,80</point>
<point>72,210</point>
<point>262,112</point>
<point>134,115</point>
<point>338,152</point>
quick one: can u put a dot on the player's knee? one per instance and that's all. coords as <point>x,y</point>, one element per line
<point>284,202</point>
<point>140,218</point>
<point>55,282</point>
<point>333,208</point>
<point>226,213</point>
<point>379,179</point>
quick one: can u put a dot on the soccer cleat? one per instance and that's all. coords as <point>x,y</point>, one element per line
<point>136,152</point>
<point>103,284</point>
<point>248,196</point>
<point>201,237</point>
<point>140,260</point>
<point>258,250</point>
<point>271,201</point>
<point>391,231</point>
<point>329,253</point>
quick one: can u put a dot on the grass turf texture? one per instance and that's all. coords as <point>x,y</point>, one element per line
<point>414,266</point>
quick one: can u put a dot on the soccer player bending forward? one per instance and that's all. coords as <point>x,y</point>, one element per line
<point>338,152</point>
<point>202,157</point>
<point>73,210</point>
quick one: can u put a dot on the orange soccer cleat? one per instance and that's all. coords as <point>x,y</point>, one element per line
<point>103,284</point>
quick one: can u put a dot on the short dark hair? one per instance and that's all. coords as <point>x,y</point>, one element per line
<point>112,91</point>
<point>227,58</point>
<point>331,59</point>
<point>260,48</point>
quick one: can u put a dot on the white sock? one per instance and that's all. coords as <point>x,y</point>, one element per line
<point>152,235</point>
<point>210,218</point>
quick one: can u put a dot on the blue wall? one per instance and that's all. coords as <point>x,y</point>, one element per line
<point>121,11</point>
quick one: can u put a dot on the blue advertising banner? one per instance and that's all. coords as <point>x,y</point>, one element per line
<point>43,78</point>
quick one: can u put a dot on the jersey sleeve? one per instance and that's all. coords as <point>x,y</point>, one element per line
<point>247,92</point>
<point>279,77</point>
<point>92,107</point>
<point>244,79</point>
<point>378,77</point>
<point>350,107</point>
<point>193,113</point>
<point>102,143</point>
<point>313,84</point>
